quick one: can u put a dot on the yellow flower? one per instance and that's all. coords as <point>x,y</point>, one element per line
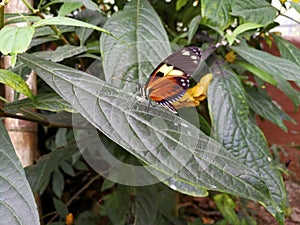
<point>69,219</point>
<point>195,94</point>
<point>230,56</point>
<point>296,1</point>
<point>282,1</point>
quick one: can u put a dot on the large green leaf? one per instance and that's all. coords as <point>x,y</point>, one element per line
<point>66,21</point>
<point>17,202</point>
<point>281,69</point>
<point>215,14</point>
<point>233,127</point>
<point>255,11</point>
<point>262,104</point>
<point>287,49</point>
<point>193,27</point>
<point>140,27</point>
<point>171,147</point>
<point>15,39</point>
<point>269,63</point>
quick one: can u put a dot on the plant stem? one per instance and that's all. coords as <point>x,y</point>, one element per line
<point>290,18</point>
<point>76,195</point>
<point>32,10</point>
<point>36,120</point>
<point>1,16</point>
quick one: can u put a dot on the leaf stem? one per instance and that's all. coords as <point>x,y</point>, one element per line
<point>290,18</point>
<point>29,6</point>
<point>1,16</point>
<point>43,122</point>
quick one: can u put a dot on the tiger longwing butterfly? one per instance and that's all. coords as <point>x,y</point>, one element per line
<point>170,79</point>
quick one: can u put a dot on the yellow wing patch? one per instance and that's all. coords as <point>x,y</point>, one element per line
<point>165,69</point>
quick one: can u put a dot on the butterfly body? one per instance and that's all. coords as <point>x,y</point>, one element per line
<point>170,79</point>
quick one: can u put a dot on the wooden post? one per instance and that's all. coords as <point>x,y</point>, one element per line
<point>23,134</point>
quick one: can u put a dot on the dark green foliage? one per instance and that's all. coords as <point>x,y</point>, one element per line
<point>213,148</point>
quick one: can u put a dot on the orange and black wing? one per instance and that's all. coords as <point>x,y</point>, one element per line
<point>185,60</point>
<point>170,80</point>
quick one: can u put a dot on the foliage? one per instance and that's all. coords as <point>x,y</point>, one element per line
<point>118,42</point>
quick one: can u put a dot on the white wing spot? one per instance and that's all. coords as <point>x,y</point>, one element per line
<point>184,52</point>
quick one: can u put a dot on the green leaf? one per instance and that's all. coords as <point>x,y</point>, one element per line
<point>287,89</point>
<point>239,30</point>
<point>15,39</point>
<point>61,53</point>
<point>227,207</point>
<point>145,209</point>
<point>91,17</point>
<point>40,173</point>
<point>42,40</point>
<point>287,49</point>
<point>48,101</point>
<point>67,22</point>
<point>193,26</point>
<point>67,8</point>
<point>180,4</point>
<point>67,168</point>
<point>215,14</point>
<point>79,165</point>
<point>262,104</point>
<point>107,184</point>
<point>243,139</point>
<point>17,201</point>
<point>269,63</point>
<point>117,205</point>
<point>139,26</point>
<point>281,69</point>
<point>258,72</point>
<point>254,11</point>
<point>198,161</point>
<point>58,183</point>
<point>61,138</point>
<point>89,4</point>
<point>295,5</point>
<point>60,207</point>
<point>15,82</point>
<point>17,18</point>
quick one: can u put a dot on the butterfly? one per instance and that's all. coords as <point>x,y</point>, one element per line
<point>170,79</point>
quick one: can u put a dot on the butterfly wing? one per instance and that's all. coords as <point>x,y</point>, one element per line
<point>169,88</point>
<point>170,80</point>
<point>186,59</point>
